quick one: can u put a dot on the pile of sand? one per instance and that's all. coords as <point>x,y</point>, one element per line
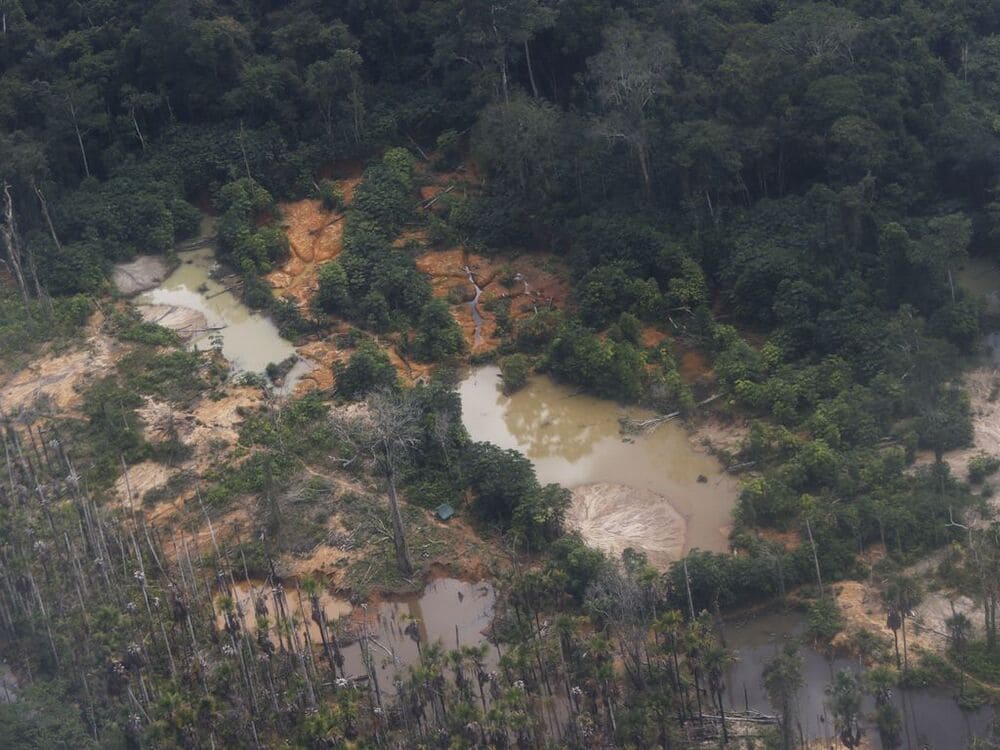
<point>612,517</point>
<point>142,274</point>
<point>184,321</point>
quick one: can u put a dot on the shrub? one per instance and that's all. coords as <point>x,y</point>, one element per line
<point>514,371</point>
<point>982,466</point>
<point>128,325</point>
<point>368,369</point>
<point>824,620</point>
<point>332,296</point>
<point>438,334</point>
<point>330,195</point>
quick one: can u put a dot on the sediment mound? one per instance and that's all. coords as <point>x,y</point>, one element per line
<point>141,275</point>
<point>184,321</point>
<point>612,517</point>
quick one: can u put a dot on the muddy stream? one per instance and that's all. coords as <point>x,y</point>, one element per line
<point>477,318</point>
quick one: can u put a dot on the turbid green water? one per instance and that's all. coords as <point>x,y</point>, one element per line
<point>249,340</point>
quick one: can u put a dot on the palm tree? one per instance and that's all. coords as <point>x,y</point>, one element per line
<point>901,594</point>
<point>845,704</point>
<point>782,679</point>
<point>880,682</point>
<point>959,632</point>
<point>716,660</point>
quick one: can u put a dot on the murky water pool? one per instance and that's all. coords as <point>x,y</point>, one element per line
<point>932,720</point>
<point>249,340</point>
<point>449,611</point>
<point>575,440</point>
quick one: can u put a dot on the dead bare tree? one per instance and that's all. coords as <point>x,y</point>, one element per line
<point>12,243</point>
<point>388,434</point>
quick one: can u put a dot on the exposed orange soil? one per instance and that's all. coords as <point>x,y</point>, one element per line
<point>465,556</point>
<point>413,237</point>
<point>210,428</point>
<point>315,236</point>
<point>325,354</point>
<point>651,337</point>
<point>789,540</point>
<point>717,434</point>
<point>694,367</point>
<point>411,372</point>
<point>234,525</point>
<point>533,286</point>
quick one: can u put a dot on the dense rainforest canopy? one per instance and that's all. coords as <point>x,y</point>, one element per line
<point>789,188</point>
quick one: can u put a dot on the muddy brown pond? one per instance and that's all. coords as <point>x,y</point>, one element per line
<point>641,490</point>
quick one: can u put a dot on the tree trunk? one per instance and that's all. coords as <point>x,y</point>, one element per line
<point>12,241</point>
<point>722,716</point>
<point>812,543</point>
<point>399,538</point>
<point>135,124</point>
<point>647,183</point>
<point>79,135</point>
<point>531,72</point>
<point>906,662</point>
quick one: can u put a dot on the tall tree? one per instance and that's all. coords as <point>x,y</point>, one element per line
<point>629,74</point>
<point>845,704</point>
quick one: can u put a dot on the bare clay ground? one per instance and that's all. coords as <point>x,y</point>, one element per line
<point>210,428</point>
<point>58,378</point>
<point>315,236</point>
<point>612,517</point>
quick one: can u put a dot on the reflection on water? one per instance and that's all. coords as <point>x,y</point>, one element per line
<point>449,611</point>
<point>250,341</point>
<point>931,718</point>
<point>251,598</point>
<point>573,439</point>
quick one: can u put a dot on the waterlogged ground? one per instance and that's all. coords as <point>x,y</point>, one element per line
<point>448,611</point>
<point>656,491</point>
<point>932,720</point>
